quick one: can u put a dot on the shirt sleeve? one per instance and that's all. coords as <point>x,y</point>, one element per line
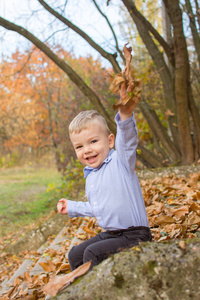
<point>79,209</point>
<point>126,142</point>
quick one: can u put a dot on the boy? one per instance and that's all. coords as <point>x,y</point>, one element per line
<point>112,188</point>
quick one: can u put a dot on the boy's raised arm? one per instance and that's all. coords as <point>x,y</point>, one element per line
<point>127,138</point>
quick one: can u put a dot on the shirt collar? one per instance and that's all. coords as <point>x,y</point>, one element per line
<point>87,170</point>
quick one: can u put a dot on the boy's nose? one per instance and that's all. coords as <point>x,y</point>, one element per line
<point>87,149</point>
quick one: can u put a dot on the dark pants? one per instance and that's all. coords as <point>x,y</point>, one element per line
<point>106,243</point>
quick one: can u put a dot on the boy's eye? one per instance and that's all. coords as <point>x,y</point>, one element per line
<point>78,147</point>
<point>93,141</point>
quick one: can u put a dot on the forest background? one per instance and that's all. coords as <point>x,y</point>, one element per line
<point>45,82</point>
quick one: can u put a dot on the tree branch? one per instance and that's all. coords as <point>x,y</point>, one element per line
<point>110,57</point>
<point>111,28</point>
<point>87,91</point>
<point>168,50</point>
<point>159,130</point>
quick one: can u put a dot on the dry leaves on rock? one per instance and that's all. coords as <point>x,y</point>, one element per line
<point>58,283</point>
<point>30,287</point>
<point>173,206</point>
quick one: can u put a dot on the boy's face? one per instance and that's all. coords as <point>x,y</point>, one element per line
<point>92,145</point>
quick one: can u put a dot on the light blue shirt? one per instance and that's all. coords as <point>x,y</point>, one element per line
<point>113,190</point>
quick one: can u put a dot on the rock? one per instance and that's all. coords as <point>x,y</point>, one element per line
<point>167,271</point>
<point>35,238</point>
<point>178,171</point>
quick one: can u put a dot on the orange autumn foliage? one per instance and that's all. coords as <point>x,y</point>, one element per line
<point>37,98</point>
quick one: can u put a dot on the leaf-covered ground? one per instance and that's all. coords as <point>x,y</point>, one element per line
<point>173,208</point>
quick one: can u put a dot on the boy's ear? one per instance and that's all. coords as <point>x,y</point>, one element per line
<point>111,140</point>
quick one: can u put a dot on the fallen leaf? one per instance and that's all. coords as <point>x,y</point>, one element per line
<point>162,238</point>
<point>181,211</point>
<point>48,266</point>
<point>163,220</point>
<point>63,268</point>
<point>193,219</point>
<point>57,283</point>
<point>91,223</point>
<point>182,244</point>
<point>27,277</point>
<point>195,207</point>
<point>88,230</point>
<point>169,113</point>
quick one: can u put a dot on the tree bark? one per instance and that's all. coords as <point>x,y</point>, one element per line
<point>182,81</point>
<point>197,12</point>
<point>168,36</point>
<point>193,27</point>
<point>196,118</point>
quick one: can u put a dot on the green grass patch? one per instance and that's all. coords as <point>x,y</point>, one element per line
<point>25,196</point>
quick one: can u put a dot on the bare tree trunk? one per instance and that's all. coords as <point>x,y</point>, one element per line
<point>196,119</point>
<point>193,27</point>
<point>182,81</point>
<point>197,12</point>
<point>167,34</point>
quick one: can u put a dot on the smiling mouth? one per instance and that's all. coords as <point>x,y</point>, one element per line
<point>91,158</point>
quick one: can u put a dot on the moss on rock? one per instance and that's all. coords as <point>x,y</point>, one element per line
<point>149,271</point>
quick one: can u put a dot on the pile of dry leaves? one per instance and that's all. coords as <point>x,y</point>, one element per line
<point>173,208</point>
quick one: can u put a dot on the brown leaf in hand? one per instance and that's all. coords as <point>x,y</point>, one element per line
<point>128,88</point>
<point>58,283</point>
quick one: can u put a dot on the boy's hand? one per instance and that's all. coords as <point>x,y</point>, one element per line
<point>126,111</point>
<point>62,206</point>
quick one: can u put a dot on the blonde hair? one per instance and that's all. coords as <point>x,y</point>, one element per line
<point>84,119</point>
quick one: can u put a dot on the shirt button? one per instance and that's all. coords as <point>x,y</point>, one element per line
<point>95,203</point>
<point>91,186</point>
<point>99,218</point>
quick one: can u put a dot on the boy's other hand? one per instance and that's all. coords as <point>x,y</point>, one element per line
<point>62,206</point>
